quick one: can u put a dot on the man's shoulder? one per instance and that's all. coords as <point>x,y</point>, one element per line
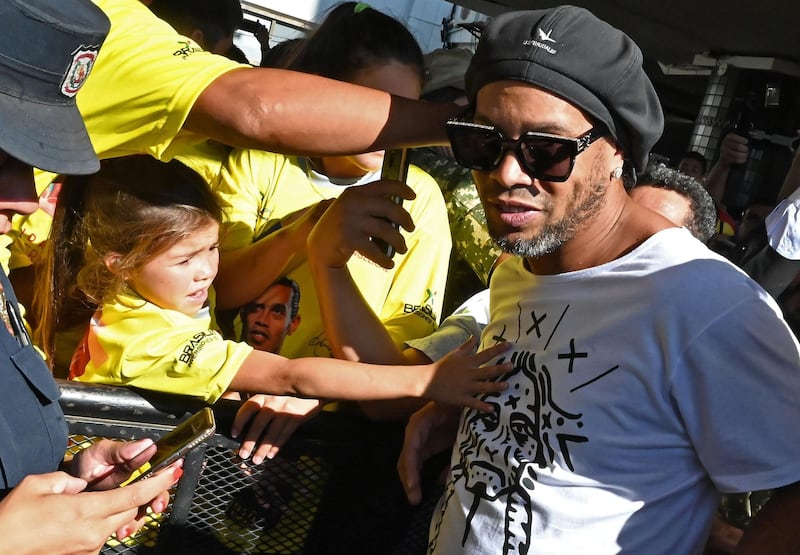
<point>683,271</point>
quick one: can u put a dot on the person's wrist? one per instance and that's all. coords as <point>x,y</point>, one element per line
<point>322,266</point>
<point>426,380</point>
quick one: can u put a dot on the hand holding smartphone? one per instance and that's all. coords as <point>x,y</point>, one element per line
<point>177,443</point>
<point>395,167</point>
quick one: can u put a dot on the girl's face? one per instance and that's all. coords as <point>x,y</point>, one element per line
<point>179,278</point>
<point>392,77</point>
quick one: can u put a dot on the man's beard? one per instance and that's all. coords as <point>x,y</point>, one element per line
<point>553,236</point>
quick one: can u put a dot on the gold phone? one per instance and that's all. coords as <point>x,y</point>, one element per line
<point>177,443</point>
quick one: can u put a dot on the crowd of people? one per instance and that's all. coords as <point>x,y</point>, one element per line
<point>618,364</point>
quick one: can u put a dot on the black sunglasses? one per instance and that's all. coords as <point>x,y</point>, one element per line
<point>542,155</point>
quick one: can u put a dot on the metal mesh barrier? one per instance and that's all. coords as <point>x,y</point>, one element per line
<point>332,489</point>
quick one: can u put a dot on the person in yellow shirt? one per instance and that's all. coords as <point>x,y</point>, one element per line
<point>266,191</point>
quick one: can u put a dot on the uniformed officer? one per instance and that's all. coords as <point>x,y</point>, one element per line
<point>47,50</point>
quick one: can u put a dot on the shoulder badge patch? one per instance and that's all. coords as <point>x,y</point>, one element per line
<point>82,61</point>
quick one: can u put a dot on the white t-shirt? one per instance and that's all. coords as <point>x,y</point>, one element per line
<point>783,227</point>
<point>641,388</point>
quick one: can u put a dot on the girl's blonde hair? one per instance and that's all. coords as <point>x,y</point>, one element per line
<point>135,207</point>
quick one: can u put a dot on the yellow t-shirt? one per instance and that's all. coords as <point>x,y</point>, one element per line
<point>141,89</point>
<point>136,343</point>
<point>144,84</point>
<point>263,187</point>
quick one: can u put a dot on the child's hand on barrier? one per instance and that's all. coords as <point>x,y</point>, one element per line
<point>268,421</point>
<point>459,376</point>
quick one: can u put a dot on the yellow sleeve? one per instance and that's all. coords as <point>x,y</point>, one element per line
<point>160,350</point>
<point>205,158</point>
<point>144,84</point>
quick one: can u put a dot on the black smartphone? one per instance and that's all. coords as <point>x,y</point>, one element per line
<point>395,167</point>
<point>177,443</point>
<point>250,25</point>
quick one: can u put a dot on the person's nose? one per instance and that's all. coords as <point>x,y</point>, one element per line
<point>509,172</point>
<point>17,188</point>
<point>206,268</point>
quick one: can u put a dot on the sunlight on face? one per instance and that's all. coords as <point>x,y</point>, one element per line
<point>179,278</point>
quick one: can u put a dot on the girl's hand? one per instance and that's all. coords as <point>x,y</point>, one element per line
<point>269,421</point>
<point>459,376</point>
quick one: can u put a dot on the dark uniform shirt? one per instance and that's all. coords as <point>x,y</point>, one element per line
<point>33,432</point>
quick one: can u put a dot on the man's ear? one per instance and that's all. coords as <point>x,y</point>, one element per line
<point>618,157</point>
<point>111,260</point>
<point>293,325</point>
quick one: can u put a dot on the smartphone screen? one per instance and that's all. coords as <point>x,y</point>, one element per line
<point>177,443</point>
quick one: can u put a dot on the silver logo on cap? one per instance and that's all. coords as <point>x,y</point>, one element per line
<point>545,37</point>
<point>541,41</point>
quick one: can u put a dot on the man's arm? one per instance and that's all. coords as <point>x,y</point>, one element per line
<point>430,430</point>
<point>772,271</point>
<point>774,529</point>
<point>296,113</point>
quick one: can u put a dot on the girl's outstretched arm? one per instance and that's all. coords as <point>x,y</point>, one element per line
<point>456,379</point>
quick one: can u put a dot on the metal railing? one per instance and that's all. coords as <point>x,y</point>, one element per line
<point>332,489</point>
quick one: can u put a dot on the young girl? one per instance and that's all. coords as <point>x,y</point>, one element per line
<point>148,236</point>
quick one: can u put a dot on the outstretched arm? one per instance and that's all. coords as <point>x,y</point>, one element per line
<point>297,113</point>
<point>456,379</point>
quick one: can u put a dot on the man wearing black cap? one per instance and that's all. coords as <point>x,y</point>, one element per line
<point>650,373</point>
<point>47,50</point>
